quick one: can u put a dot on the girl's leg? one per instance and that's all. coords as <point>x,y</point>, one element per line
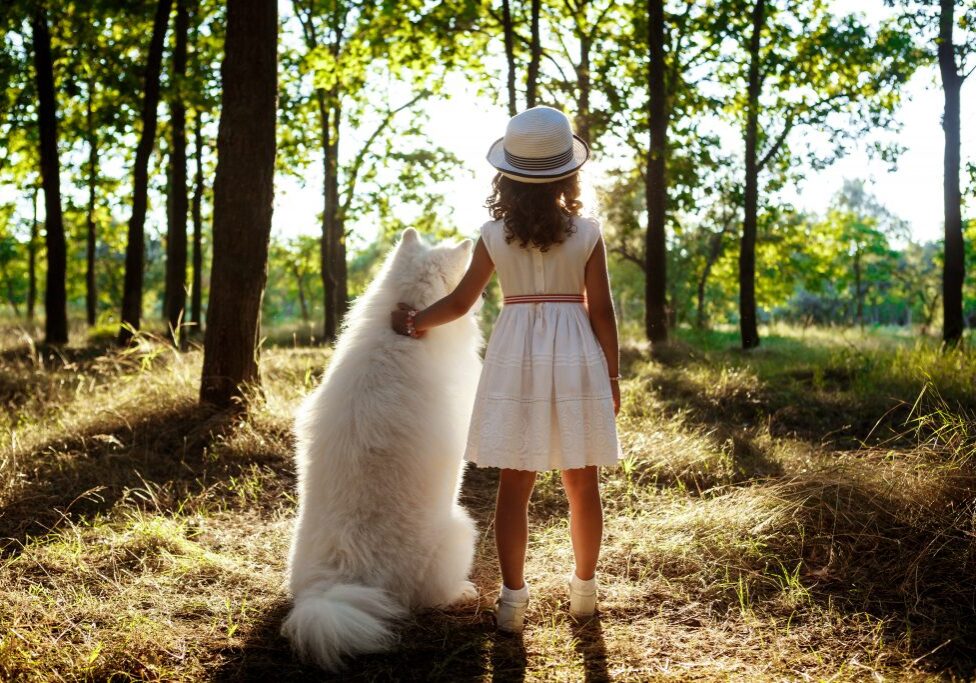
<point>585,518</point>
<point>512,524</point>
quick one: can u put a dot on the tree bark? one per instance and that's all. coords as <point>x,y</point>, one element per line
<point>300,280</point>
<point>655,189</point>
<point>747,250</point>
<point>584,84</point>
<point>535,57</point>
<point>714,251</point>
<point>858,294</point>
<point>174,300</point>
<point>55,295</point>
<point>32,261</point>
<point>135,245</point>
<point>332,246</point>
<point>243,202</point>
<point>91,291</point>
<point>197,298</point>
<point>954,268</point>
<point>509,32</point>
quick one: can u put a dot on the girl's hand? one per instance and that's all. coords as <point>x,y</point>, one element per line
<point>398,320</point>
<point>615,389</point>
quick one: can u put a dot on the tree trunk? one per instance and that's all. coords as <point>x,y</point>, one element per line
<point>174,301</point>
<point>535,57</point>
<point>655,189</point>
<point>303,302</point>
<point>197,300</point>
<point>954,268</point>
<point>91,292</point>
<point>584,84</point>
<point>858,294</point>
<point>332,246</point>
<point>747,249</point>
<point>243,201</point>
<point>135,244</point>
<point>32,262</point>
<point>509,32</point>
<point>55,295</point>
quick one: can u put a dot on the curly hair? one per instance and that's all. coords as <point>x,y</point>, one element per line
<point>539,214</point>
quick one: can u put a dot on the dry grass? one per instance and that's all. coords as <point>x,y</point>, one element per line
<point>793,514</point>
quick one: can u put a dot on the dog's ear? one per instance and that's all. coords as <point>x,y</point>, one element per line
<point>466,246</point>
<point>409,242</point>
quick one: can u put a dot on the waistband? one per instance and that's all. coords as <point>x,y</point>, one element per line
<point>544,298</point>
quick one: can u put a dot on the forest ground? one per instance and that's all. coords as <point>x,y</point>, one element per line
<point>804,511</point>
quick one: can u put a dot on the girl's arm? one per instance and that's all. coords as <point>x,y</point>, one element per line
<point>455,304</point>
<point>602,317</point>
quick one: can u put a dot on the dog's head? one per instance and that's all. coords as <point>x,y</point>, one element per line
<point>424,273</point>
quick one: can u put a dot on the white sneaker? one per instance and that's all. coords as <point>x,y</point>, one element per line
<point>582,596</point>
<point>510,609</point>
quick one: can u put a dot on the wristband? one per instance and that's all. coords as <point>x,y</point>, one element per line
<point>411,330</point>
<point>614,378</point>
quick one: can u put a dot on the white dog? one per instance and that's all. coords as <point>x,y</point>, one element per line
<point>380,441</point>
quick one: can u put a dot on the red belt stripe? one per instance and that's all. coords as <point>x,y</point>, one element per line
<point>544,298</point>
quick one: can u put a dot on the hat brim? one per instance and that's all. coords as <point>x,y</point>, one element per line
<point>496,157</point>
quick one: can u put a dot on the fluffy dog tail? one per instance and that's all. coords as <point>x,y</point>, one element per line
<point>331,622</point>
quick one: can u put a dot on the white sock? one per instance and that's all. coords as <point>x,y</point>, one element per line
<point>580,584</point>
<point>520,595</point>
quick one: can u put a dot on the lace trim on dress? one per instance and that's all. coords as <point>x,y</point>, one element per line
<point>522,399</point>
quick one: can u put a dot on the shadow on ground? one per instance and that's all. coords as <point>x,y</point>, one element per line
<point>164,455</point>
<point>436,646</point>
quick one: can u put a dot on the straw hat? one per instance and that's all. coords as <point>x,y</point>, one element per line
<point>538,147</point>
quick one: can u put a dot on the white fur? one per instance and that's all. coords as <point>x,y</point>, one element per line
<point>379,446</point>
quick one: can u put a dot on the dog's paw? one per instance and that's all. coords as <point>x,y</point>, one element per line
<point>466,592</point>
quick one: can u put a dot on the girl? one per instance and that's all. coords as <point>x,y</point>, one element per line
<point>548,393</point>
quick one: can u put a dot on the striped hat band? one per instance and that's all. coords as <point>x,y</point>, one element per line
<point>539,163</point>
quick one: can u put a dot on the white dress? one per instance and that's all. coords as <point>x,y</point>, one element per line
<point>544,399</point>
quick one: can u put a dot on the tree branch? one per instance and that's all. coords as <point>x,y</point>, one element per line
<point>361,155</point>
<point>596,24</point>
<point>778,143</point>
<point>623,253</point>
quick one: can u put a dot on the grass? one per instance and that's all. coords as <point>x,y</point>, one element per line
<point>801,512</point>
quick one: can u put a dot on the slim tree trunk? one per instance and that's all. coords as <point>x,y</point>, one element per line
<point>700,304</point>
<point>509,32</point>
<point>243,201</point>
<point>300,280</point>
<point>91,292</point>
<point>584,84</point>
<point>858,294</point>
<point>954,268</point>
<point>174,301</point>
<point>9,286</point>
<point>335,257</point>
<point>342,271</point>
<point>55,295</point>
<point>135,245</point>
<point>332,245</point>
<point>747,250</point>
<point>535,57</point>
<point>655,190</point>
<point>197,300</point>
<point>32,261</point>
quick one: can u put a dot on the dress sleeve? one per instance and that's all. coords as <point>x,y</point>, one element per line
<point>593,237</point>
<point>487,237</point>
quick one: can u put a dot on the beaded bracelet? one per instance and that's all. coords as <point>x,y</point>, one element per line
<point>411,330</point>
<point>614,378</point>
